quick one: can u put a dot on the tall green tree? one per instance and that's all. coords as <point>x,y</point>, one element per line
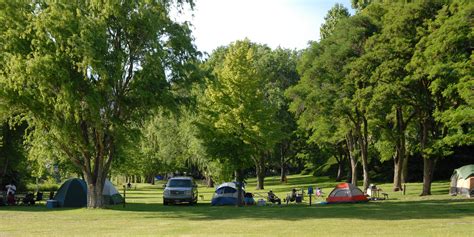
<point>238,123</point>
<point>337,13</point>
<point>442,68</point>
<point>327,100</point>
<point>280,66</point>
<point>384,66</point>
<point>81,72</point>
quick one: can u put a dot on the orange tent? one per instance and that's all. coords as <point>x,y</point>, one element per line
<point>346,192</point>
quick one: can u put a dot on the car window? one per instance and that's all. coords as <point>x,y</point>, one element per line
<point>180,183</point>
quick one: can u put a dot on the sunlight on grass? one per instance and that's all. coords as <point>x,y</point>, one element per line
<point>144,215</point>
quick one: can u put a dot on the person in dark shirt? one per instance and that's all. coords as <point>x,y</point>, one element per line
<point>273,198</point>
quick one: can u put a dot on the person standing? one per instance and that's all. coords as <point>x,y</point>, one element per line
<point>11,190</point>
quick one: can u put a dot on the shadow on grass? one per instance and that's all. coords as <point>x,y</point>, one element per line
<point>426,209</point>
<point>35,208</point>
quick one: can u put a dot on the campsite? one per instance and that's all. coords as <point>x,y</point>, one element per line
<point>144,214</point>
<point>237,118</point>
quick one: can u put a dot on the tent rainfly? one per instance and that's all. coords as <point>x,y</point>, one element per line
<point>462,181</point>
<point>73,193</point>
<point>226,194</point>
<point>346,193</point>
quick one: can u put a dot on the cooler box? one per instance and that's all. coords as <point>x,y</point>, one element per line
<point>299,199</point>
<point>51,203</point>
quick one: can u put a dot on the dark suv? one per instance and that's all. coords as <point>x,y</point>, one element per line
<point>180,189</point>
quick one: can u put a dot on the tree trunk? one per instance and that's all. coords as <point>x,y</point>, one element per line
<point>428,171</point>
<point>364,150</point>
<point>405,170</point>
<point>283,177</point>
<point>349,176</point>
<point>349,171</point>
<point>340,162</point>
<point>340,169</point>
<point>97,152</point>
<point>397,173</point>
<point>352,156</point>
<point>398,165</point>
<point>400,152</point>
<point>260,168</point>
<point>240,180</point>
<point>95,186</point>
<point>428,164</point>
<point>210,182</point>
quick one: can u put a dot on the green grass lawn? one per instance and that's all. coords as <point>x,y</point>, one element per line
<point>144,215</point>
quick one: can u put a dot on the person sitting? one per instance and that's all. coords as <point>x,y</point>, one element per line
<point>291,197</point>
<point>248,199</point>
<point>29,199</point>
<point>273,198</point>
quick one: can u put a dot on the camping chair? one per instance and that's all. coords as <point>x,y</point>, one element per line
<point>374,192</point>
<point>296,195</point>
<point>272,198</point>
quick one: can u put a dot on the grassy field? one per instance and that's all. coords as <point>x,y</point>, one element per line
<point>144,215</point>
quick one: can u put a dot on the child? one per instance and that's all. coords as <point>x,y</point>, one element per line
<point>319,192</point>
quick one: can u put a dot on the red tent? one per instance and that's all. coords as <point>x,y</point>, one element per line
<point>346,192</point>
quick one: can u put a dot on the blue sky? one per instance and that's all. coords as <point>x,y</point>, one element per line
<point>285,23</point>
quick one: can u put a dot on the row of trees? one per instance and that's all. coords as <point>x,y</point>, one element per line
<point>397,77</point>
<point>106,89</point>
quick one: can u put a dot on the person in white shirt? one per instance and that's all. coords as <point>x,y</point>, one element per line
<point>11,189</point>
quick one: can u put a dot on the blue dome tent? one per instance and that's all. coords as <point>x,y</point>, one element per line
<point>226,194</point>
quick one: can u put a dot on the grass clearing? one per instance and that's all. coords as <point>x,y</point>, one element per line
<point>144,215</point>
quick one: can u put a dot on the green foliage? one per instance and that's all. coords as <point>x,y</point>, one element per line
<point>44,187</point>
<point>337,13</point>
<point>443,65</point>
<point>397,75</point>
<point>84,72</point>
<point>238,119</point>
<point>170,143</point>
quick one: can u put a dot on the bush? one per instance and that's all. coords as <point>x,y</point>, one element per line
<point>46,187</point>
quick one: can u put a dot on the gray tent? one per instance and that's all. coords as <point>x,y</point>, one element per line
<point>110,194</point>
<point>462,181</point>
